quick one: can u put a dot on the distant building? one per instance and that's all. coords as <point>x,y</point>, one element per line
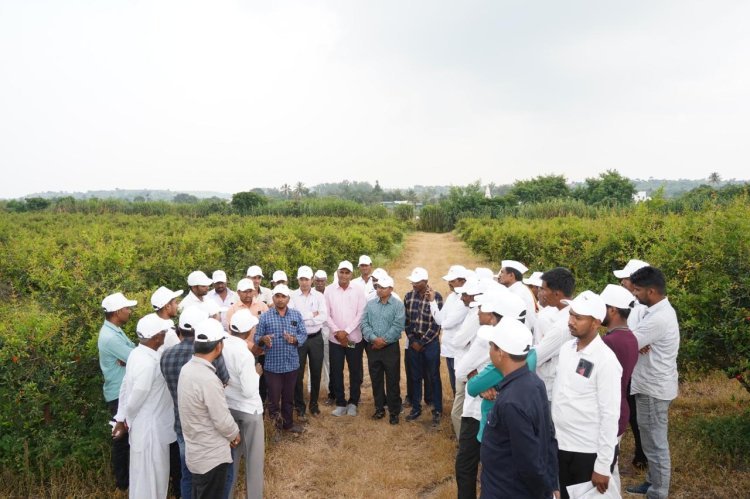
<point>487,193</point>
<point>641,196</point>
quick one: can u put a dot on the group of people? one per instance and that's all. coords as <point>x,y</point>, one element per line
<point>541,399</point>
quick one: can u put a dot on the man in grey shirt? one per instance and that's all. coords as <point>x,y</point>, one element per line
<point>654,380</point>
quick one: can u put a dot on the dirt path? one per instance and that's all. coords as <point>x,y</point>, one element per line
<point>360,457</point>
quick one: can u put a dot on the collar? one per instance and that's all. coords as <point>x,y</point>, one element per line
<point>203,362</point>
<point>111,326</point>
<point>518,373</point>
<point>589,349</point>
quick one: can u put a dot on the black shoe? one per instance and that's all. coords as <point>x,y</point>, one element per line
<point>436,419</point>
<point>314,410</point>
<point>413,415</point>
<point>329,401</point>
<point>393,419</point>
<point>379,414</point>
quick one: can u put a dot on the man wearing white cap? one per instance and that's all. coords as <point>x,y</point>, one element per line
<point>365,277</point>
<point>279,277</point>
<point>320,282</point>
<point>450,316</point>
<point>639,309</point>
<point>345,304</point>
<point>164,301</point>
<point>222,295</point>
<point>245,404</point>
<point>114,349</point>
<point>511,276</point>
<point>199,284</point>
<point>148,412</point>
<point>312,305</point>
<point>248,299</point>
<point>207,425</point>
<point>534,282</point>
<point>424,344</point>
<point>586,399</point>
<point>518,451</point>
<point>255,274</point>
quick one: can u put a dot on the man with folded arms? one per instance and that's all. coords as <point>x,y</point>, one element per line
<point>199,284</point>
<point>255,274</point>
<point>312,305</point>
<point>586,399</point>
<point>207,425</point>
<point>382,325</point>
<point>654,381</point>
<point>222,295</point>
<point>280,332</point>
<point>346,305</point>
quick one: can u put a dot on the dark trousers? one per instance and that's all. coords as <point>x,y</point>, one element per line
<point>120,454</point>
<point>281,396</point>
<point>175,469</point>
<point>312,348</point>
<point>426,361</point>
<point>210,485</point>
<point>575,467</point>
<point>639,454</point>
<point>427,383</point>
<point>467,459</point>
<point>451,373</point>
<point>385,375</point>
<point>353,356</point>
<point>262,389</point>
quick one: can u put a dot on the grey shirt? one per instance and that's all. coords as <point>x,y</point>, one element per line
<point>655,373</point>
<point>207,424</point>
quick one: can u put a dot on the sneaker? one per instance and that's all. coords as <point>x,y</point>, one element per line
<point>641,489</point>
<point>436,419</point>
<point>339,411</point>
<point>351,410</point>
<point>413,415</point>
<point>379,414</point>
<point>393,419</point>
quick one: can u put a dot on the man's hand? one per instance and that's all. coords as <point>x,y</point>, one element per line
<point>259,369</point>
<point>120,363</point>
<point>256,350</point>
<point>119,431</point>
<point>342,337</point>
<point>556,493</point>
<point>267,340</point>
<point>234,443</point>
<point>601,482</point>
<point>489,394</point>
<point>645,350</point>
<point>290,338</point>
<point>429,294</point>
<point>378,343</point>
<point>471,374</point>
<point>415,345</point>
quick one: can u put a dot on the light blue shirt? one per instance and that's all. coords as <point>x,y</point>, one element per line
<point>383,320</point>
<point>113,346</point>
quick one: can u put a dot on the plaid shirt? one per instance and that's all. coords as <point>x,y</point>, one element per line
<point>420,325</point>
<point>281,357</point>
<point>171,363</point>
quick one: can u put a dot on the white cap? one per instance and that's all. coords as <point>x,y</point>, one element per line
<point>512,264</point>
<point>385,281</point>
<point>198,278</point>
<point>456,272</point>
<point>192,316</point>
<point>617,296</point>
<point>245,284</point>
<point>212,308</point>
<point>304,272</point>
<point>588,303</point>
<point>505,304</point>
<point>253,271</point>
<point>243,321</point>
<point>162,296</point>
<point>534,279</point>
<point>631,267</point>
<point>509,335</point>
<point>151,325</point>
<point>117,301</point>
<point>346,264</point>
<point>418,274</point>
<point>379,273</point>
<point>219,276</point>
<point>471,287</point>
<point>364,260</point>
<point>279,275</point>
<point>209,330</point>
<point>321,274</point>
<point>281,289</point>
<point>484,273</point>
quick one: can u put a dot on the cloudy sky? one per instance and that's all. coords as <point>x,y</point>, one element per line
<point>231,95</point>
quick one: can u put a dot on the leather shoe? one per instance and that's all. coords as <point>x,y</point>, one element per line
<point>314,410</point>
<point>379,414</point>
<point>393,419</point>
<point>413,415</point>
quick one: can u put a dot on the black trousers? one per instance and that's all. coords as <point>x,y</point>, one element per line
<point>120,454</point>
<point>385,375</point>
<point>312,348</point>
<point>210,485</point>
<point>353,356</point>
<point>639,455</point>
<point>575,467</point>
<point>175,469</point>
<point>467,459</point>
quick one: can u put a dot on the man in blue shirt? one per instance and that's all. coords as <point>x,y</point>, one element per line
<point>280,331</point>
<point>519,450</point>
<point>114,349</point>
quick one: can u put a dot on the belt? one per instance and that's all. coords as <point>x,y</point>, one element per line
<point>312,335</point>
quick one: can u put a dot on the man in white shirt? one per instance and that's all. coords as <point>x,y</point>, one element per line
<point>558,285</point>
<point>511,276</point>
<point>222,295</point>
<point>654,381</point>
<point>311,304</point>
<point>148,412</point>
<point>199,283</point>
<point>365,277</point>
<point>255,274</point>
<point>244,402</point>
<point>586,399</point>
<point>164,301</point>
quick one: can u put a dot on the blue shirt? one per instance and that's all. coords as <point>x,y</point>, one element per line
<point>383,320</point>
<point>281,357</point>
<point>114,346</point>
<point>519,449</point>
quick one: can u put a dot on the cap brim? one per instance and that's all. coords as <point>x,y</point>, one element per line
<point>621,274</point>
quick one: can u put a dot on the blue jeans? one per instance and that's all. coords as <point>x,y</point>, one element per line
<point>186,482</point>
<point>653,422</point>
<point>426,362</point>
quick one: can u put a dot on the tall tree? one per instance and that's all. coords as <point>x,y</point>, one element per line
<point>286,190</point>
<point>541,188</point>
<point>714,178</point>
<point>609,188</point>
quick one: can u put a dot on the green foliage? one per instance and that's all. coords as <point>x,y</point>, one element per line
<point>245,202</point>
<point>185,198</point>
<point>609,189</point>
<point>541,188</point>
<point>727,436</point>
<point>404,212</point>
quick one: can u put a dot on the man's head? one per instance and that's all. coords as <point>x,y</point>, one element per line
<point>456,276</point>
<point>619,302</point>
<point>246,291</point>
<point>534,282</point>
<point>164,301</point>
<point>344,273</point>
<point>189,319</point>
<point>384,287</point>
<point>281,296</point>
<point>365,266</point>
<point>304,278</point>
<point>510,343</point>
<point>151,330</point>
<point>219,279</point>
<point>649,285</point>
<point>557,285</point>
<point>279,277</point>
<point>209,339</point>
<point>255,274</point>
<point>117,308</point>
<point>320,280</point>
<point>511,272</point>
<point>624,273</point>
<point>587,312</point>
<point>418,279</point>
<point>199,283</point>
<point>243,323</point>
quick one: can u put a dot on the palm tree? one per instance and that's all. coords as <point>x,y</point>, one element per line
<point>286,190</point>
<point>299,190</point>
<point>714,178</point>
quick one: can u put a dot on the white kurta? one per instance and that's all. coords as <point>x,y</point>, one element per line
<point>150,416</point>
<point>522,291</point>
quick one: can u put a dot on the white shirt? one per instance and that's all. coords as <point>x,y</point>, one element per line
<point>368,286</point>
<point>462,339</point>
<point>521,290</point>
<point>265,296</point>
<point>449,318</point>
<point>477,358</point>
<point>639,310</point>
<point>655,373</point>
<point>242,390</point>
<point>548,348</point>
<point>188,301</point>
<point>307,304</point>
<point>227,302</point>
<point>586,410</point>
<point>170,339</point>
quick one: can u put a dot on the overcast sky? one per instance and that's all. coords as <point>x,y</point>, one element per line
<point>231,95</point>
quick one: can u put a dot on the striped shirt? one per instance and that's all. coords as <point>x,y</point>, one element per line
<point>281,357</point>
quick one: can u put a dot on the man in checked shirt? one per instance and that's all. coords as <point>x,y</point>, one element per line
<point>423,353</point>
